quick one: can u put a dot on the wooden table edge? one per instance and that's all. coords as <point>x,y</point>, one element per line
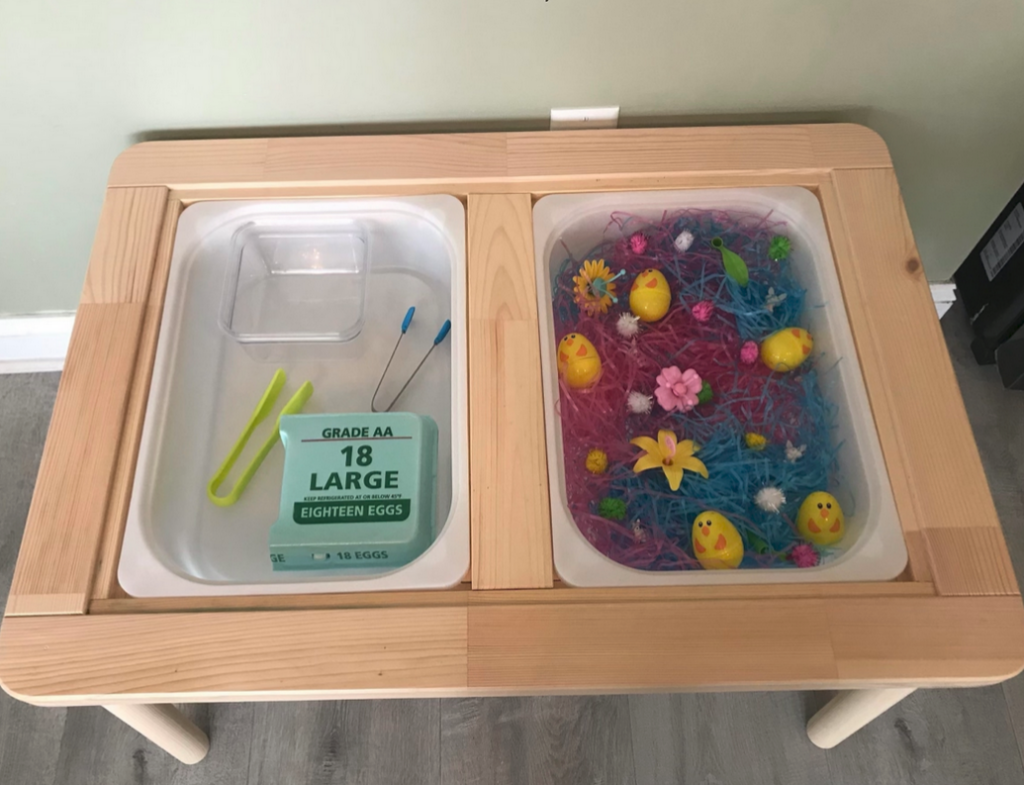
<point>491,157</point>
<point>505,649</point>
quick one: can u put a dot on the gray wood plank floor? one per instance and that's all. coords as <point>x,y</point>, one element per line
<point>959,737</point>
<point>536,741</point>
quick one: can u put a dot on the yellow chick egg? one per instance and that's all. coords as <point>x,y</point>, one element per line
<point>597,461</point>
<point>716,542</point>
<point>784,350</point>
<point>578,361</point>
<point>650,297</point>
<point>820,519</point>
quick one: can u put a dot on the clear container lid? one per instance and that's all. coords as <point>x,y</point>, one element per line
<point>296,281</point>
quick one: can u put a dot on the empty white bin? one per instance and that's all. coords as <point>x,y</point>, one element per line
<point>319,289</point>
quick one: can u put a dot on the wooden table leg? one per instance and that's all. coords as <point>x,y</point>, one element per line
<point>166,727</point>
<point>849,711</point>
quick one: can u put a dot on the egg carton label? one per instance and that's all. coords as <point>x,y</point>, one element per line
<point>358,512</point>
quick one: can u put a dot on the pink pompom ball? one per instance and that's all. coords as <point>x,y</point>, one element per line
<point>749,353</point>
<point>804,555</point>
<point>702,311</point>
<point>638,243</point>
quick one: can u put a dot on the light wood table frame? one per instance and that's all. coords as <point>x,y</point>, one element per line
<point>71,636</point>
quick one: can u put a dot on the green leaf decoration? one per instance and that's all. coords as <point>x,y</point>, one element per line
<point>756,543</point>
<point>705,393</point>
<point>734,266</point>
<point>779,248</point>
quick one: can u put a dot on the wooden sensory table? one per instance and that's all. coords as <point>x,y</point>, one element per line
<point>71,636</point>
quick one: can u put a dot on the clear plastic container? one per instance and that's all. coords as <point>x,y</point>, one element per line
<point>296,282</point>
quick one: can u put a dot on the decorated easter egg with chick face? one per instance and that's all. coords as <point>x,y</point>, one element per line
<point>578,361</point>
<point>820,519</point>
<point>716,543</point>
<point>650,297</point>
<point>785,349</point>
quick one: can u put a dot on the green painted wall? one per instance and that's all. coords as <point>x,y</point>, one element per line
<point>941,80</point>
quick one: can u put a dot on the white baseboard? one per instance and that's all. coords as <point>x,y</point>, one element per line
<point>944,295</point>
<point>30,344</point>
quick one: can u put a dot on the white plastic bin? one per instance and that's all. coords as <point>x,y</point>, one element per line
<point>874,547</point>
<point>318,288</point>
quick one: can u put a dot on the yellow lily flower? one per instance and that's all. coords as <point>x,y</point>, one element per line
<point>669,455</point>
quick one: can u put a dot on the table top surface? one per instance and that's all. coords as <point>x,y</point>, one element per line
<point>71,635</point>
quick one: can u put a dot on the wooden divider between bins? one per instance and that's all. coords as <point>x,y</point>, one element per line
<point>509,513</point>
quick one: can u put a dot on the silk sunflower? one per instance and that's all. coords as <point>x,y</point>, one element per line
<point>595,290</point>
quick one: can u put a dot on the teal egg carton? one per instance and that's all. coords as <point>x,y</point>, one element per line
<point>358,491</point>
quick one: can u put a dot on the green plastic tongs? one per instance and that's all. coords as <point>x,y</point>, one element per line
<point>262,411</point>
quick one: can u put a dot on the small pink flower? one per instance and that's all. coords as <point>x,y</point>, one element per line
<point>638,243</point>
<point>678,390</point>
<point>804,555</point>
<point>702,311</point>
<point>749,353</point>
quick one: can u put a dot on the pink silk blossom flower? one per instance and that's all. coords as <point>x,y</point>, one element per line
<point>677,390</point>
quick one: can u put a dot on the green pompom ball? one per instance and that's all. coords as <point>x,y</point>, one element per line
<point>612,509</point>
<point>779,248</point>
<point>705,393</point>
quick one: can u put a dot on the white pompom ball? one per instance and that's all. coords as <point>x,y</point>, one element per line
<point>628,325</point>
<point>639,403</point>
<point>684,241</point>
<point>770,499</point>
